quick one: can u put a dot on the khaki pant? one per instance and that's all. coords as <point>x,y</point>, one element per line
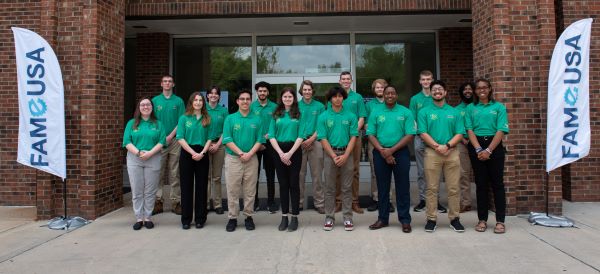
<point>374,180</point>
<point>334,174</point>
<point>314,157</point>
<point>169,171</point>
<point>241,179</point>
<point>466,174</point>
<point>434,165</point>
<point>215,170</point>
<point>355,174</point>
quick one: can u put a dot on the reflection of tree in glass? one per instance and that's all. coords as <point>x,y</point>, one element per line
<point>267,59</point>
<point>382,61</point>
<point>231,70</point>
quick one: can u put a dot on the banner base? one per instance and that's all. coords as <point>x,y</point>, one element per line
<point>60,223</point>
<point>538,218</point>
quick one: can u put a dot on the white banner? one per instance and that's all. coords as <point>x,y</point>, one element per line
<point>568,135</point>
<point>41,104</point>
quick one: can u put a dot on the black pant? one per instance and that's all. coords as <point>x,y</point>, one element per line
<point>193,177</point>
<point>489,173</point>
<point>289,178</point>
<point>267,163</point>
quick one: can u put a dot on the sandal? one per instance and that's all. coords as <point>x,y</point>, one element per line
<point>500,228</point>
<point>481,226</point>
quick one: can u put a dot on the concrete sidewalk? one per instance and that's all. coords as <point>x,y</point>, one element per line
<point>110,245</point>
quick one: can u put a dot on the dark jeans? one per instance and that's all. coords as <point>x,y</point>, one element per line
<point>194,181</point>
<point>267,164</point>
<point>488,174</point>
<point>383,172</point>
<point>289,178</point>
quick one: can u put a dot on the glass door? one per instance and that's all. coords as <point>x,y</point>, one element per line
<point>321,83</point>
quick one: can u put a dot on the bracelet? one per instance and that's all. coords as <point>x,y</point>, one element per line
<point>479,149</point>
<point>448,145</point>
<point>488,150</point>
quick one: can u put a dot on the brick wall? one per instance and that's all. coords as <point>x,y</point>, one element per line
<point>298,7</point>
<point>17,184</point>
<point>456,59</point>
<point>584,183</point>
<point>512,44</point>
<point>152,62</point>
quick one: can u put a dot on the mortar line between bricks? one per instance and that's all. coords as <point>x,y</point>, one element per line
<point>564,252</point>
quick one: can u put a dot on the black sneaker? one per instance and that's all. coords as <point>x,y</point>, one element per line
<point>420,207</point>
<point>441,208</point>
<point>148,224</point>
<point>372,207</point>
<point>430,226</point>
<point>273,208</point>
<point>249,223</point>
<point>138,225</point>
<point>231,225</point>
<point>392,208</point>
<point>456,225</point>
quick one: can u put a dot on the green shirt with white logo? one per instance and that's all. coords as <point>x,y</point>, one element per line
<point>390,125</point>
<point>418,102</point>
<point>337,127</point>
<point>191,130</point>
<point>486,119</point>
<point>243,131</point>
<point>264,112</point>
<point>355,104</point>
<point>441,123</point>
<point>168,111</point>
<point>286,129</point>
<point>462,110</point>
<point>309,113</point>
<point>145,136</point>
<point>217,118</point>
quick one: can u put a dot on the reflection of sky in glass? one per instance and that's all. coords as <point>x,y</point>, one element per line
<point>389,48</point>
<point>243,52</point>
<point>306,59</point>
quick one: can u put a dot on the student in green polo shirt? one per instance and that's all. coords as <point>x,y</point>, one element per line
<point>487,123</point>
<point>417,103</point>
<point>168,108</point>
<point>286,134</point>
<point>216,150</point>
<point>465,92</point>
<point>192,135</point>
<point>391,129</point>
<point>264,109</point>
<point>378,86</point>
<point>243,136</point>
<point>441,129</point>
<point>337,131</point>
<point>144,137</point>
<point>312,151</point>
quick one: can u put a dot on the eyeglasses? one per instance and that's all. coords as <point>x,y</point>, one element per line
<point>145,105</point>
<point>245,99</point>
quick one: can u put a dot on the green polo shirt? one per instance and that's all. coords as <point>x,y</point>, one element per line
<point>486,119</point>
<point>337,127</point>
<point>217,118</point>
<point>309,113</point>
<point>462,110</point>
<point>373,104</point>
<point>389,125</point>
<point>168,111</point>
<point>146,136</point>
<point>286,129</point>
<point>264,112</point>
<point>191,130</point>
<point>418,102</point>
<point>441,123</point>
<point>244,132</point>
<point>354,103</point>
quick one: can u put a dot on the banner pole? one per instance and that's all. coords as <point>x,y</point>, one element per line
<point>65,197</point>
<point>547,193</point>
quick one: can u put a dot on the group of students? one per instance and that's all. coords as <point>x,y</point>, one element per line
<point>293,133</point>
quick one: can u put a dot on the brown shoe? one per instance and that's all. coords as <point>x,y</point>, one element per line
<point>321,210</point>
<point>338,207</point>
<point>377,225</point>
<point>464,209</point>
<point>158,207</point>
<point>176,208</point>
<point>406,228</point>
<point>356,208</point>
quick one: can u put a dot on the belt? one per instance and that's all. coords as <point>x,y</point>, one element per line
<point>338,148</point>
<point>486,137</point>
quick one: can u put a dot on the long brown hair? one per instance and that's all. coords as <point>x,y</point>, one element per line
<point>189,109</point>
<point>280,110</point>
<point>137,115</point>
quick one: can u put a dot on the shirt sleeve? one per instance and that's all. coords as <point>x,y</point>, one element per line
<point>227,131</point>
<point>469,117</point>
<point>502,122</point>
<point>353,125</point>
<point>413,107</point>
<point>260,136</point>
<point>362,110</point>
<point>372,121</point>
<point>162,139</point>
<point>127,134</point>
<point>272,129</point>
<point>422,122</point>
<point>321,127</point>
<point>410,126</point>
<point>459,127</point>
<point>181,107</point>
<point>180,134</point>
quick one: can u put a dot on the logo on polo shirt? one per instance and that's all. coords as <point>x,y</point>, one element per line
<point>253,125</point>
<point>188,124</point>
<point>400,118</point>
<point>159,108</point>
<point>493,112</point>
<point>433,116</point>
<point>329,123</point>
<point>314,112</point>
<point>462,113</point>
<point>380,118</point>
<point>345,122</point>
<point>450,116</point>
<point>237,127</point>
